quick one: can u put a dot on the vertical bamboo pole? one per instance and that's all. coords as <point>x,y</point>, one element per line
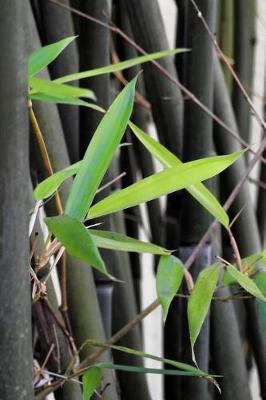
<point>55,24</point>
<point>16,361</point>
<point>226,36</point>
<point>198,143</point>
<point>244,34</point>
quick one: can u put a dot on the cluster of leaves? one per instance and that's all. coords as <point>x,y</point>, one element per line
<point>84,242</point>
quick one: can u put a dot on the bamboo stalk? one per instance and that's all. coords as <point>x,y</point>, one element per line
<point>226,36</point>
<point>15,314</point>
<point>244,43</point>
<point>56,24</point>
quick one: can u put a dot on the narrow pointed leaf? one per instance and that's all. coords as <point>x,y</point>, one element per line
<point>119,66</point>
<point>199,301</point>
<point>163,183</point>
<point>76,239</point>
<point>180,365</point>
<point>117,241</point>
<point>61,100</point>
<point>100,152</point>
<point>245,282</point>
<point>45,55</point>
<point>47,187</point>
<point>143,370</point>
<point>58,90</point>
<point>168,280</point>
<point>91,380</point>
<point>168,159</point>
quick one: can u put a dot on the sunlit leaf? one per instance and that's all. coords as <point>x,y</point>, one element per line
<point>100,152</point>
<point>119,66</point>
<point>46,54</point>
<point>168,159</point>
<point>163,183</point>
<point>58,90</point>
<point>199,301</point>
<point>76,239</point>
<point>91,380</point>
<point>61,100</point>
<point>168,280</point>
<point>117,241</point>
<point>245,282</point>
<point>47,187</point>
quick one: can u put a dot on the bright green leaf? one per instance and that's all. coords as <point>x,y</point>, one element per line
<point>117,241</point>
<point>77,240</point>
<point>57,90</point>
<point>61,100</point>
<point>168,159</point>
<point>91,380</point>
<point>199,301</point>
<point>245,282</point>
<point>168,280</point>
<point>47,187</point>
<point>45,55</point>
<point>119,66</point>
<point>163,183</point>
<point>100,152</point>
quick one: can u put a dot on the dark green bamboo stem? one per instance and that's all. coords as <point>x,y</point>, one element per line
<point>198,143</point>
<point>166,100</point>
<point>16,363</point>
<point>244,44</point>
<point>228,357</point>
<point>261,202</point>
<point>226,36</point>
<point>56,23</point>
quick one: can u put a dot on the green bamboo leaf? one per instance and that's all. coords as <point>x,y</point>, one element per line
<point>119,66</point>
<point>58,90</point>
<point>168,280</point>
<point>91,380</point>
<point>199,301</point>
<point>143,370</point>
<point>77,240</point>
<point>245,282</point>
<point>47,187</point>
<point>100,152</point>
<point>179,365</point>
<point>45,55</point>
<point>168,159</point>
<point>117,241</point>
<point>61,100</point>
<point>163,183</point>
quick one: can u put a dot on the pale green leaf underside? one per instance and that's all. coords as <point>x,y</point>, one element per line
<point>200,299</point>
<point>91,380</point>
<point>117,241</point>
<point>47,187</point>
<point>62,100</point>
<point>58,90</point>
<point>74,236</point>
<point>46,54</point>
<point>162,183</point>
<point>119,66</point>
<point>100,152</point>
<point>168,159</point>
<point>168,280</point>
<point>245,282</point>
